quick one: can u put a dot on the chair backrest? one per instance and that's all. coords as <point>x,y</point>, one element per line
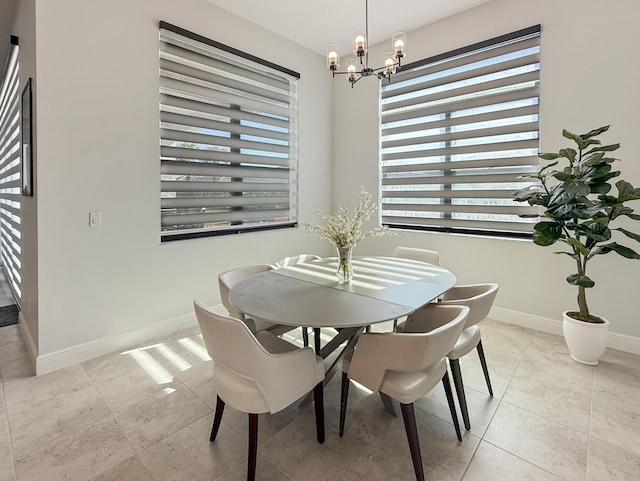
<point>477,297</point>
<point>423,255</point>
<point>300,258</point>
<point>377,353</point>
<point>246,375</point>
<point>239,359</point>
<point>228,279</point>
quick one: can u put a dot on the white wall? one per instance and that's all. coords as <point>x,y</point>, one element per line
<point>98,150</point>
<point>588,79</point>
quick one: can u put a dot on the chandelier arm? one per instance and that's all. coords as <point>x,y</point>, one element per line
<point>384,67</point>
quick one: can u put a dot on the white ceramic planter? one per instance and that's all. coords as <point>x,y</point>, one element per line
<point>586,341</point>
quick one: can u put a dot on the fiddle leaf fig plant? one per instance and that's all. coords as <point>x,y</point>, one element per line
<point>579,207</point>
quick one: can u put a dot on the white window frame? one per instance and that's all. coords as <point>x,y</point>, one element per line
<point>457,131</point>
<point>228,135</point>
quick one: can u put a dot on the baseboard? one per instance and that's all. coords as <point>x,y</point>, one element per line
<point>83,352</point>
<point>28,340</point>
<point>620,342</point>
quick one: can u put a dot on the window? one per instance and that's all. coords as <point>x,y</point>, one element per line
<point>10,184</point>
<point>228,134</point>
<point>457,131</point>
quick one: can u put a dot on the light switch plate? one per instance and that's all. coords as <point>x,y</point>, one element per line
<point>95,219</point>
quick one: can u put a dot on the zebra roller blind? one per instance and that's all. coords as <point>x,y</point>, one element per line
<point>228,134</point>
<point>457,131</point>
<point>10,173</point>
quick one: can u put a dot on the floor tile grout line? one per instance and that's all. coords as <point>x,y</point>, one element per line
<point>593,376</point>
<point>6,420</point>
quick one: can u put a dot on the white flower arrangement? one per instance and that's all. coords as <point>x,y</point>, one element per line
<point>343,228</point>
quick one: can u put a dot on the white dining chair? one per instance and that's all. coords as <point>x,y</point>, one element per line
<point>417,254</point>
<point>228,279</point>
<point>479,299</point>
<point>297,259</point>
<point>258,374</point>
<point>406,367</point>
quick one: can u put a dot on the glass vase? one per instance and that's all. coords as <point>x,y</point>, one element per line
<point>345,268</point>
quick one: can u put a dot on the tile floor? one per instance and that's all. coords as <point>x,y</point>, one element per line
<point>145,414</point>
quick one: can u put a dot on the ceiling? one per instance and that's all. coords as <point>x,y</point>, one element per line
<point>317,23</point>
<point>313,23</point>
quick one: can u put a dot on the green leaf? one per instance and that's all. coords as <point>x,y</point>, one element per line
<point>629,234</point>
<point>625,251</point>
<point>578,280</point>
<point>549,156</point>
<point>576,188</point>
<point>619,210</point>
<point>573,256</point>
<point>595,132</point>
<point>562,176</point>
<point>604,148</point>
<point>594,231</point>
<point>546,233</point>
<point>569,154</point>
<point>600,188</point>
<point>626,191</point>
<point>575,137</point>
<point>533,198</point>
<point>593,158</point>
<point>597,171</point>
<point>579,246</point>
<point>615,247</point>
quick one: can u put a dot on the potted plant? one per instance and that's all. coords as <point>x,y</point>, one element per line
<point>579,209</point>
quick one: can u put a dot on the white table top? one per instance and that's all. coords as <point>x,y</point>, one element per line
<point>382,289</point>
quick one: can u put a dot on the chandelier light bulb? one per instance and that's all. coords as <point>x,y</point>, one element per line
<point>359,42</point>
<point>399,42</point>
<point>351,70</point>
<point>389,63</point>
<point>333,57</point>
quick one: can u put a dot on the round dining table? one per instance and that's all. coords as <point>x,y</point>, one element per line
<point>308,294</point>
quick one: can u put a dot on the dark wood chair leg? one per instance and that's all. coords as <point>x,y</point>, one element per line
<point>316,340</point>
<point>483,361</point>
<point>452,405</point>
<point>305,336</point>
<point>318,401</point>
<point>344,394</point>
<point>457,381</point>
<point>409,416</point>
<point>217,417</point>
<point>253,447</point>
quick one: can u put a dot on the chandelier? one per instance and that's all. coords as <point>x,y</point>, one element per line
<point>358,68</point>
